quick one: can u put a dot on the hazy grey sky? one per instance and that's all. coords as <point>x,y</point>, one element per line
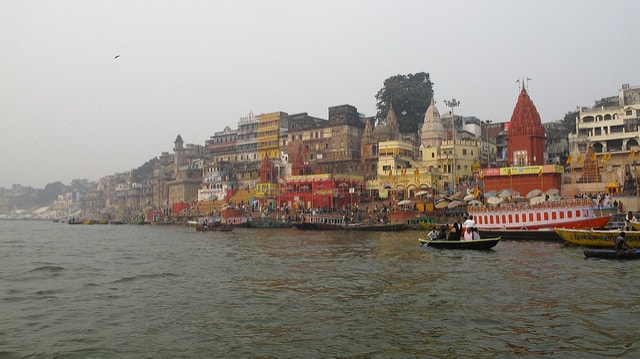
<point>69,110</point>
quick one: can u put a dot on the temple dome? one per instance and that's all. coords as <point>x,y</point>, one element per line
<point>525,120</point>
<point>432,132</point>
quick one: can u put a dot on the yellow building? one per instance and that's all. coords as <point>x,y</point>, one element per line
<point>399,175</point>
<point>457,160</point>
<point>269,126</point>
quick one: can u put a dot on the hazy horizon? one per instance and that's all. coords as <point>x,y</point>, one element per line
<point>70,109</point>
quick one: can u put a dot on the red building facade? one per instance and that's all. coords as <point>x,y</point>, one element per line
<point>526,139</point>
<point>330,192</point>
<point>526,146</point>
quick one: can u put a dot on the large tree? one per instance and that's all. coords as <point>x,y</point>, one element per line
<point>569,122</point>
<point>410,95</point>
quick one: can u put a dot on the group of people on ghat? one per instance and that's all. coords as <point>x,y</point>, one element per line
<point>466,231</point>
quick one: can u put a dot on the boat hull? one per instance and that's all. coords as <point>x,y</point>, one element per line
<point>478,244</point>
<point>377,227</point>
<point>212,226</point>
<point>596,238</point>
<point>317,226</point>
<point>268,223</point>
<point>320,222</point>
<point>521,235</point>
<point>611,254</point>
<point>570,213</point>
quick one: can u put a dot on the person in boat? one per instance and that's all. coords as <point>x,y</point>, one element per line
<point>627,221</point>
<point>468,234</point>
<point>621,245</point>
<point>433,235</point>
<point>454,234</point>
<point>442,235</point>
<point>475,233</point>
<point>468,224</point>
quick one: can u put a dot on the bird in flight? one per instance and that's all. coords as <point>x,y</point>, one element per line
<point>116,57</point>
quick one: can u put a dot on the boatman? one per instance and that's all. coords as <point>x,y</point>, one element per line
<point>627,221</point>
<point>621,245</point>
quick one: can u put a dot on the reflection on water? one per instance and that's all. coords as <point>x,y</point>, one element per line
<point>113,291</point>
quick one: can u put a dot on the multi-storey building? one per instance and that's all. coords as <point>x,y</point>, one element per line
<point>611,125</point>
<point>269,127</point>
<point>607,135</point>
<point>247,138</point>
<point>222,146</point>
<point>331,146</point>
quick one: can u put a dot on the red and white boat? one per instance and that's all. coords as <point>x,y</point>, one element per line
<point>565,213</point>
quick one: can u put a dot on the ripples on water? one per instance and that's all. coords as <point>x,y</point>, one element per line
<point>162,291</point>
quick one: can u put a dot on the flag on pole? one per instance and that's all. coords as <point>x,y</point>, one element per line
<point>569,159</point>
<point>632,153</point>
<point>540,172</point>
<point>580,159</point>
<point>594,156</point>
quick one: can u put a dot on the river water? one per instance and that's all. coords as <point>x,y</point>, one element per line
<point>168,291</point>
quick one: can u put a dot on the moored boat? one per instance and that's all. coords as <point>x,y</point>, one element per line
<point>321,222</point>
<point>205,227</point>
<point>522,235</point>
<point>268,222</point>
<point>383,227</point>
<point>567,213</point>
<point>224,227</point>
<point>478,244</point>
<point>611,254</point>
<point>596,238</point>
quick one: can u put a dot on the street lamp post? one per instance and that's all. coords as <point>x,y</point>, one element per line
<point>452,104</point>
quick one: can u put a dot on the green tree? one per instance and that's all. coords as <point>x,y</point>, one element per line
<point>569,122</point>
<point>49,193</point>
<point>410,95</point>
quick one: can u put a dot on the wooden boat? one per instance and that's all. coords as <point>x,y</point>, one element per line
<point>612,254</point>
<point>479,244</point>
<point>268,223</point>
<point>242,221</point>
<point>321,222</point>
<point>224,227</point>
<point>522,235</point>
<point>210,226</point>
<point>569,213</point>
<point>386,227</point>
<point>596,238</point>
